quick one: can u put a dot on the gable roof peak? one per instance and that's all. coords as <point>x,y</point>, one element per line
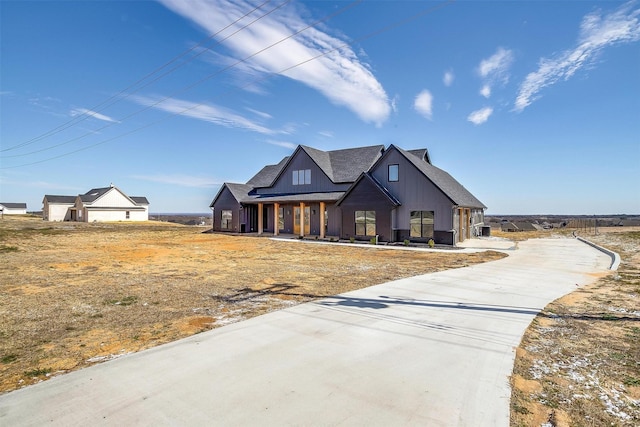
<point>445,182</point>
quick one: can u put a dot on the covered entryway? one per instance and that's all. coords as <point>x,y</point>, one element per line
<point>301,222</point>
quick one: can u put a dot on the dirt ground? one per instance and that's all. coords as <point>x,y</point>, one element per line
<point>579,361</point>
<point>75,294</point>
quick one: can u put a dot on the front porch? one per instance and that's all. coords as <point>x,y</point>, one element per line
<point>299,219</point>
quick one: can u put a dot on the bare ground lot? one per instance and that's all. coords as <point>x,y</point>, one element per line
<point>74,294</point>
<point>579,361</point>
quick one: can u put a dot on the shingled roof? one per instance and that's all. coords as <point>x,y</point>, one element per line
<point>267,174</point>
<point>93,194</point>
<point>345,165</point>
<point>240,191</point>
<point>53,198</point>
<point>140,200</point>
<point>445,182</point>
<point>341,166</point>
<point>14,205</point>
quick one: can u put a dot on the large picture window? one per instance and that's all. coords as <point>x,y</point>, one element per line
<point>365,223</point>
<point>421,224</point>
<point>225,220</point>
<point>301,177</point>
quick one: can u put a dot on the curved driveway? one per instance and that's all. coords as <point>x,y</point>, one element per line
<point>433,350</point>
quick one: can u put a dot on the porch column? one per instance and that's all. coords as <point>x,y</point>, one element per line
<point>461,218</point>
<point>468,222</point>
<point>276,219</point>
<point>301,219</point>
<point>322,208</point>
<point>260,225</point>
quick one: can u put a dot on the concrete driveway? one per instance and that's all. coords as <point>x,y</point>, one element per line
<point>433,350</point>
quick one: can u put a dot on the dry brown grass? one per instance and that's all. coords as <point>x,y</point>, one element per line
<point>73,294</point>
<point>579,362</point>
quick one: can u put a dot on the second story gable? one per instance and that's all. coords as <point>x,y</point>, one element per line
<point>107,197</point>
<point>309,170</point>
<point>409,175</point>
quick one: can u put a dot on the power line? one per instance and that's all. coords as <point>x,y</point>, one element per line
<point>148,107</point>
<point>389,27</point>
<point>124,93</point>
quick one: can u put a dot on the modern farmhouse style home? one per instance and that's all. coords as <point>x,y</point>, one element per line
<point>96,205</point>
<point>362,193</point>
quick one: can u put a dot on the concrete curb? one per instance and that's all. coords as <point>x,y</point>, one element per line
<point>615,258</point>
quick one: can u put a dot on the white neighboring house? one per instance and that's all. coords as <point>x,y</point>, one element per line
<point>96,205</point>
<point>13,208</point>
<point>57,208</point>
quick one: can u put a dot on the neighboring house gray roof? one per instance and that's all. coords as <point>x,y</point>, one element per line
<point>445,182</point>
<point>93,194</point>
<point>60,199</point>
<point>14,205</point>
<point>140,200</point>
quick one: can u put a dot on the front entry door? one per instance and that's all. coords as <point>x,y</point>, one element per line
<point>296,220</point>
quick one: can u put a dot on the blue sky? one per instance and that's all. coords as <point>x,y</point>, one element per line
<point>534,106</point>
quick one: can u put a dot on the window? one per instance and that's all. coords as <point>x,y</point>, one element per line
<point>326,221</point>
<point>301,177</point>
<point>225,220</point>
<point>280,218</point>
<point>421,224</point>
<point>393,173</point>
<point>365,223</point>
<point>127,215</point>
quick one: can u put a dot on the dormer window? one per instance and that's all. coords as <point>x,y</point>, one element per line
<point>302,177</point>
<point>393,173</point>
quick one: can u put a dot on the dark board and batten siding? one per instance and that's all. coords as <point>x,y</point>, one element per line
<point>416,191</point>
<point>365,196</point>
<point>320,183</point>
<point>226,201</point>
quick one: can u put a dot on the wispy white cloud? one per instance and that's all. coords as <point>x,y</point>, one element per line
<point>44,185</point>
<point>485,91</point>
<point>423,104</point>
<point>326,133</point>
<point>495,70</point>
<point>284,144</point>
<point>337,72</point>
<point>261,114</point>
<point>180,180</point>
<point>480,116</point>
<point>596,33</point>
<point>497,65</point>
<point>202,111</point>
<point>394,103</point>
<point>448,78</point>
<point>86,112</point>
